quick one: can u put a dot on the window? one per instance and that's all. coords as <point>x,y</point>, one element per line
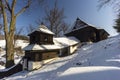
<point>37,57</point>
<point>45,38</point>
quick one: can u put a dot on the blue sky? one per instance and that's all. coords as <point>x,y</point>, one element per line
<point>86,10</point>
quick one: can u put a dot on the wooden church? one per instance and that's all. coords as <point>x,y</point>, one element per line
<point>43,46</point>
<point>87,33</point>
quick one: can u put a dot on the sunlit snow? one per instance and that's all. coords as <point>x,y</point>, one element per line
<point>97,61</point>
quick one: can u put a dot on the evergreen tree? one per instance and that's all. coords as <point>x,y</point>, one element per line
<point>117,24</point>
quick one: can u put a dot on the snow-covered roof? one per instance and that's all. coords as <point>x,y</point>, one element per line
<point>59,43</point>
<point>44,29</point>
<point>65,41</point>
<point>77,29</point>
<point>94,26</point>
<point>41,47</point>
<point>79,24</point>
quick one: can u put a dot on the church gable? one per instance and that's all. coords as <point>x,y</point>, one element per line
<point>79,24</point>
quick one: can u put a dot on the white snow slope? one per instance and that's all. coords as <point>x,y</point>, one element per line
<point>97,61</point>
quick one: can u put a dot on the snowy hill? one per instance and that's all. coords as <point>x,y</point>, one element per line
<point>97,61</point>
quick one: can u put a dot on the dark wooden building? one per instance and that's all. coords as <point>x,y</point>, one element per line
<point>103,34</point>
<point>43,47</point>
<point>41,36</point>
<point>87,33</point>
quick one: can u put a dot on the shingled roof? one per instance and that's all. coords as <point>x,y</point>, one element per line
<point>59,43</point>
<point>44,29</point>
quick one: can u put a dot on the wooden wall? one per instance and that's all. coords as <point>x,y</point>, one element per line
<point>40,38</point>
<point>85,34</point>
<point>64,51</point>
<point>49,55</point>
<point>103,34</point>
<point>41,55</point>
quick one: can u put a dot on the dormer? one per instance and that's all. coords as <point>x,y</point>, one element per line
<point>42,35</point>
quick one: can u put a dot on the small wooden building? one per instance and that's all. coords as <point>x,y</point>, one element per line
<point>41,36</point>
<point>86,33</point>
<point>44,47</point>
<point>41,47</point>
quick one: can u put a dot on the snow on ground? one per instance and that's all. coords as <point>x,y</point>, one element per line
<point>97,61</point>
<point>2,67</point>
<point>2,43</point>
<point>91,73</point>
<point>19,43</point>
<point>47,72</point>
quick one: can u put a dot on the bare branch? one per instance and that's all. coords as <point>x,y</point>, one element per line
<point>102,3</point>
<point>107,2</point>
<point>30,28</point>
<point>64,26</point>
<point>114,3</point>
<point>4,19</point>
<point>38,22</point>
<point>24,8</point>
<point>8,6</point>
<point>55,17</point>
<point>13,5</point>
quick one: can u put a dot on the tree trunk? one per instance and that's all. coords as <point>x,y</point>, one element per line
<point>9,37</point>
<point>9,28</point>
<point>10,44</point>
<point>9,52</point>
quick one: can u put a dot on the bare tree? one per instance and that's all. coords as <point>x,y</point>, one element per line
<point>115,4</point>
<point>103,2</point>
<point>54,17</point>
<point>38,22</point>
<point>8,12</point>
<point>9,28</point>
<point>30,28</point>
<point>64,27</point>
<point>1,29</point>
<point>1,32</point>
<point>116,7</point>
<point>17,34</point>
